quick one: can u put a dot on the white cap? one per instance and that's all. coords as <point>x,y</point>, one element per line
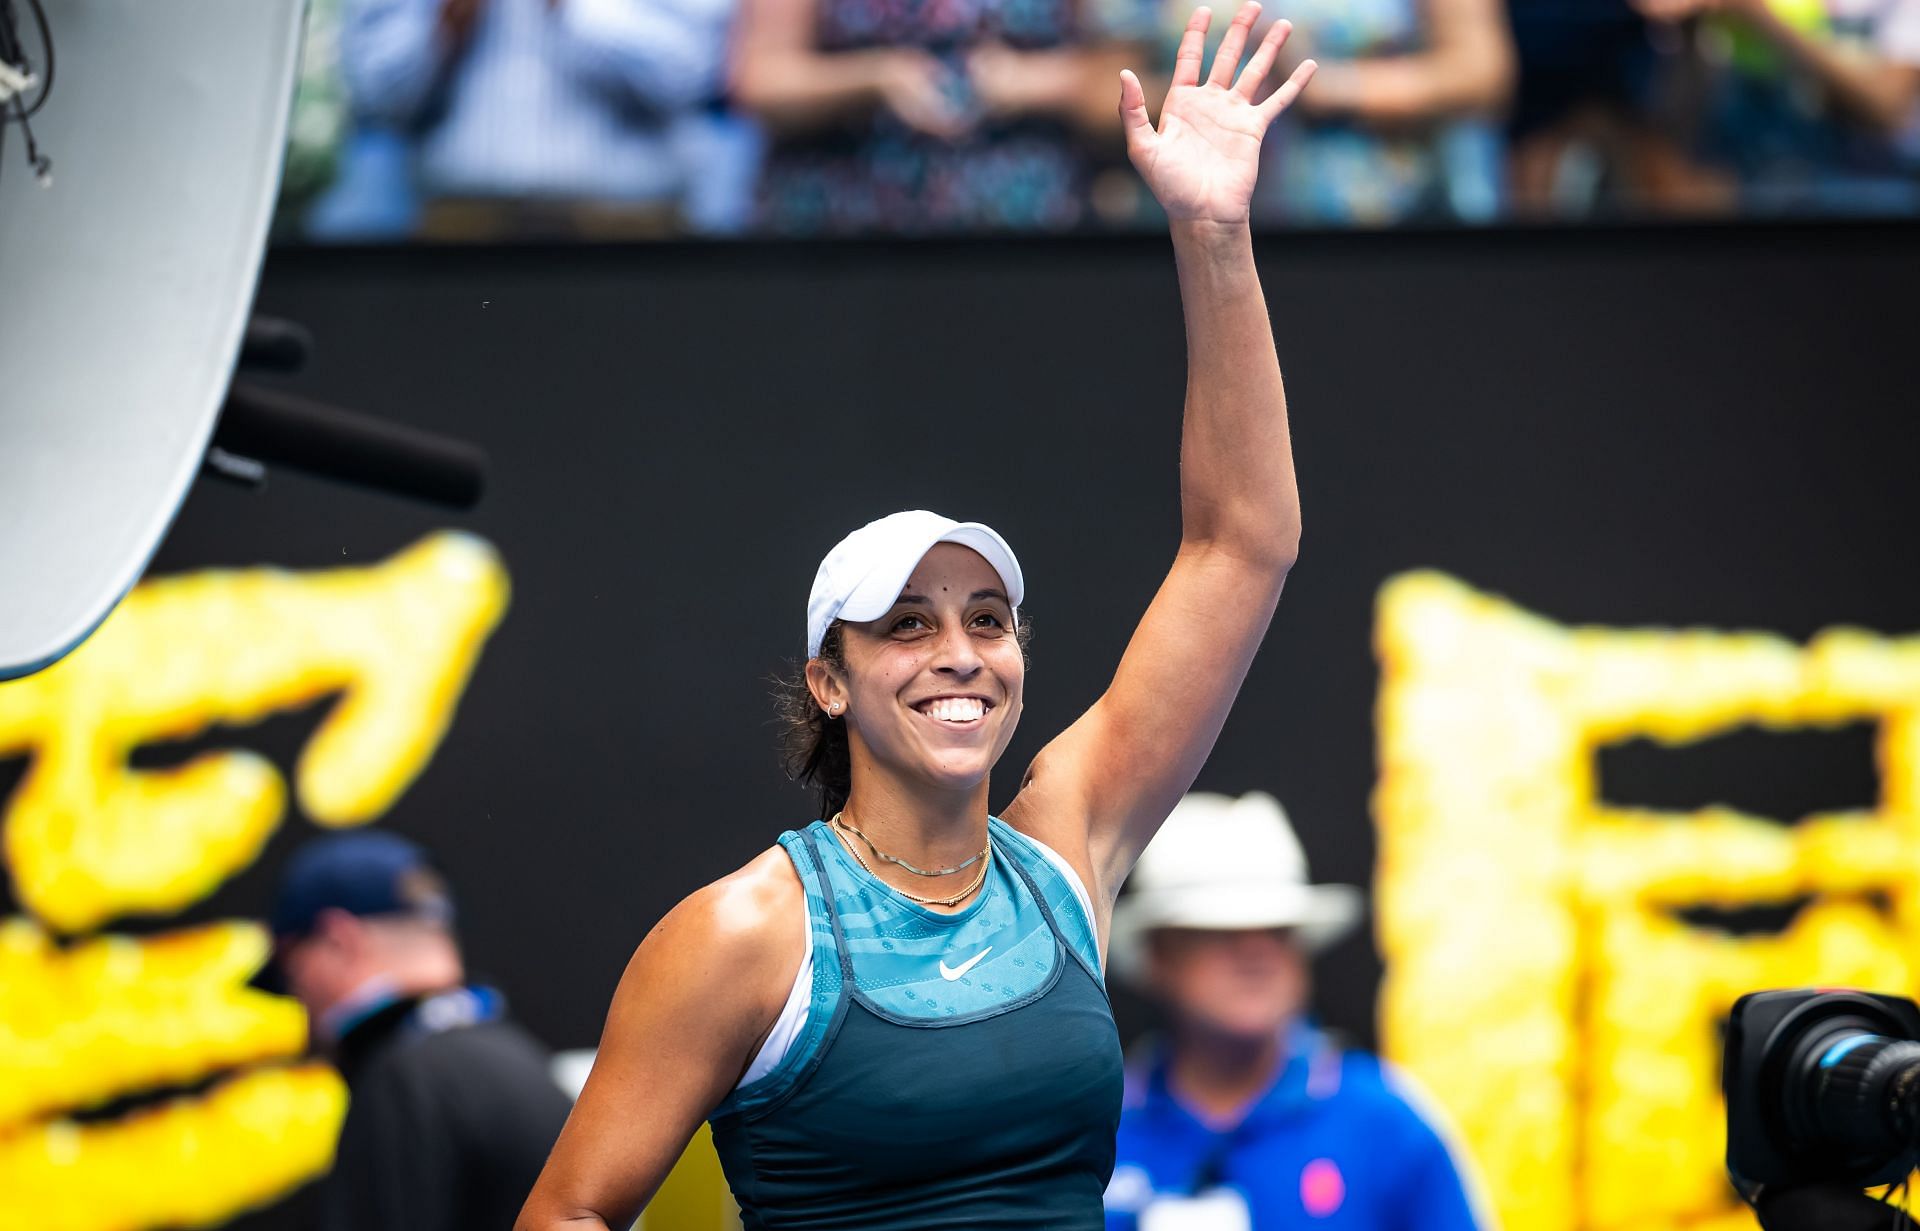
<point>1220,863</point>
<point>863,575</point>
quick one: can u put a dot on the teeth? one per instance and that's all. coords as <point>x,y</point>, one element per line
<point>956,709</point>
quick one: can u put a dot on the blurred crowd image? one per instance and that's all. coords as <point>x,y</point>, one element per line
<point>482,120</point>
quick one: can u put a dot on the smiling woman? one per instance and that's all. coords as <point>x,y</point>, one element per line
<point>815,744</point>
<point>894,1017</point>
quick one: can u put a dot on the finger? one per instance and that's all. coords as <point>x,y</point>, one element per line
<point>1227,58</point>
<point>1263,57</point>
<point>1133,113</point>
<point>1283,97</point>
<point>1193,48</point>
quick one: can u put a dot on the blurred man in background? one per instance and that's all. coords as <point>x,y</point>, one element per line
<point>1245,1117</point>
<point>548,118</point>
<point>451,1107</point>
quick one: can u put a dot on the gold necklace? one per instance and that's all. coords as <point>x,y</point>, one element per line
<point>913,897</point>
<point>840,820</point>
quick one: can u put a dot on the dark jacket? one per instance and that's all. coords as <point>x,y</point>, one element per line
<point>452,1112</point>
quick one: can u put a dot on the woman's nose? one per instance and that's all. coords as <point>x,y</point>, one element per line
<point>956,652</point>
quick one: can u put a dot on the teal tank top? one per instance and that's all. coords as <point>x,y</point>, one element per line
<point>955,1070</point>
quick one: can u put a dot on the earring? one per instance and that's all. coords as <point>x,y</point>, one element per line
<point>834,710</point>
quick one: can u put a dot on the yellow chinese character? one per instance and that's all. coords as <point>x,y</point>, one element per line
<point>1539,981</point>
<point>88,839</point>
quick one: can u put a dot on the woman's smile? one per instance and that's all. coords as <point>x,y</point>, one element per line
<point>957,713</point>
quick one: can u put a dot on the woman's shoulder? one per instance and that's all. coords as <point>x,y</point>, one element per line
<point>755,904</point>
<point>745,928</point>
<point>708,982</point>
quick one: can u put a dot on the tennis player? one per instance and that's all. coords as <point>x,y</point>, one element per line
<point>895,1017</point>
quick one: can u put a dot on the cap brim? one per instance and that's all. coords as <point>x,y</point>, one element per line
<point>1318,914</point>
<point>880,589</point>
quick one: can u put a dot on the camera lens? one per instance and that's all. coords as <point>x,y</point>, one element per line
<point>1823,1087</point>
<point>1851,1092</point>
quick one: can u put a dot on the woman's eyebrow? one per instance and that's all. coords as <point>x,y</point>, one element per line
<point>921,600</point>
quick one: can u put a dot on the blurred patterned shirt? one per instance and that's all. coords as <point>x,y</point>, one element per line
<point>878,175</point>
<point>1341,172</point>
<point>554,99</point>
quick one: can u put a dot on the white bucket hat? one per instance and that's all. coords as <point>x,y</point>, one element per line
<point>1220,863</point>
<point>863,575</point>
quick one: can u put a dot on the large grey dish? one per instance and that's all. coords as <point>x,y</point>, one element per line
<point>124,289</point>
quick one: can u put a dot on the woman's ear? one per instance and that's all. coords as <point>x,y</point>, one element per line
<point>829,689</point>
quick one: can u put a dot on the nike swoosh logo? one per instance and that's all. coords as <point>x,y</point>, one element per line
<point>950,973</point>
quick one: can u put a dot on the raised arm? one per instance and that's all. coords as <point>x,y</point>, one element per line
<point>1100,790</point>
<point>697,1000</point>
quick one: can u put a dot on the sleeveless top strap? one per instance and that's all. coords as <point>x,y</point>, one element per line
<point>1058,902</point>
<point>827,1005</point>
<point>833,912</point>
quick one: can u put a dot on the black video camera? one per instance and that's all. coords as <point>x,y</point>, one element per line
<point>1823,1096</point>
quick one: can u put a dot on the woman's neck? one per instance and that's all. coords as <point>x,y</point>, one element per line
<point>929,829</point>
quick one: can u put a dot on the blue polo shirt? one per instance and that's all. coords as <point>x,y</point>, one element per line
<point>1332,1145</point>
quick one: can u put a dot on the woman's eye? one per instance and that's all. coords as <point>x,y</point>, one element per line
<point>908,623</point>
<point>987,619</point>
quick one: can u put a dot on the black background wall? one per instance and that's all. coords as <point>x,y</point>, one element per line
<point>1665,427</point>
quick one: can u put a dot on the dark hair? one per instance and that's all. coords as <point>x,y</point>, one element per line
<point>813,746</point>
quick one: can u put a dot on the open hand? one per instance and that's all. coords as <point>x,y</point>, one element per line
<point>1202,161</point>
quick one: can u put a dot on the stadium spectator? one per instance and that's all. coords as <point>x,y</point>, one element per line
<point>896,117</point>
<point>1606,118</point>
<point>1246,1116</point>
<point>452,1108</point>
<point>535,117</point>
<point>1406,128</point>
<point>1815,105</point>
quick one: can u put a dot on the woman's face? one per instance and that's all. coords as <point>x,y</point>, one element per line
<point>932,688</point>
